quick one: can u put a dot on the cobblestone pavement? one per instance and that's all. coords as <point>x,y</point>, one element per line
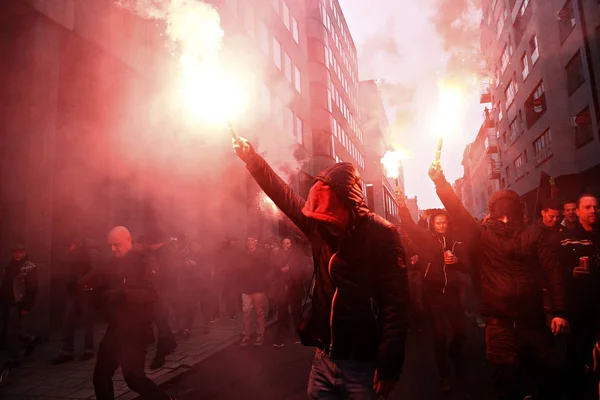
<point>37,378</point>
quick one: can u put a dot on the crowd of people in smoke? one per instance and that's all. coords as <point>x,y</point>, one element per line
<point>533,285</point>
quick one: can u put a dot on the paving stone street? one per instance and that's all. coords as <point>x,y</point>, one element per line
<point>37,378</point>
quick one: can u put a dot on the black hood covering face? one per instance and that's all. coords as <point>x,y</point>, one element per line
<point>345,181</point>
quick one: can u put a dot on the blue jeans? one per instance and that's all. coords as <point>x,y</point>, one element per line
<point>331,379</point>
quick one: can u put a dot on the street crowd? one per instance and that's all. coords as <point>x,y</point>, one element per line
<point>534,286</point>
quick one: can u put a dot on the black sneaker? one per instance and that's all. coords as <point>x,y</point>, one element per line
<point>31,346</point>
<point>278,343</point>
<point>158,361</point>
<point>63,358</point>
<point>4,376</point>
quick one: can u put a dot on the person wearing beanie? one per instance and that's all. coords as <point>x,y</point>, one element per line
<point>442,257</point>
<point>358,260</point>
<point>515,264</point>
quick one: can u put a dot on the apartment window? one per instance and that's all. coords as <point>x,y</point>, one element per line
<point>505,59</point>
<point>535,105</point>
<point>297,79</point>
<point>542,148</point>
<point>285,15</point>
<point>287,67</point>
<point>582,123</point>
<point>519,164</point>
<point>515,129</point>
<point>288,121</point>
<point>329,105</point>
<point>510,92</point>
<point>295,31</point>
<point>574,73</point>
<point>525,66</point>
<point>265,97</point>
<point>535,52</point>
<point>566,21</point>
<point>263,34</point>
<point>249,18</point>
<point>277,111</point>
<point>277,53</point>
<point>500,25</point>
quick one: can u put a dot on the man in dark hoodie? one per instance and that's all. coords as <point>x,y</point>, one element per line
<point>18,290</point>
<point>360,302</point>
<point>127,294</point>
<point>443,257</point>
<point>515,263</point>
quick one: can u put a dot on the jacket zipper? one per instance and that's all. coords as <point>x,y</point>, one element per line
<point>332,306</point>
<point>444,268</point>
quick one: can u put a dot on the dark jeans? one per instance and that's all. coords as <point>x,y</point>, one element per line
<point>290,297</point>
<point>331,379</point>
<point>231,296</point>
<point>189,305</point>
<point>125,348</point>
<point>524,360</point>
<point>78,313</point>
<point>447,316</point>
<point>580,344</point>
<point>166,339</point>
<point>10,329</point>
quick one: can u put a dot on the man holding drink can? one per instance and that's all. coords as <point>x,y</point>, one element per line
<point>580,252</point>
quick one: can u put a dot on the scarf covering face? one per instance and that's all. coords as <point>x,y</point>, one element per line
<point>324,205</point>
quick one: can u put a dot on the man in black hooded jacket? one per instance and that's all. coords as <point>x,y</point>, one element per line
<point>359,266</point>
<point>516,263</point>
<point>442,257</point>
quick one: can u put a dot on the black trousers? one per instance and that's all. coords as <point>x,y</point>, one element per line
<point>579,382</point>
<point>289,298</point>
<point>11,333</point>
<point>231,296</point>
<point>447,316</point>
<point>166,339</point>
<point>189,304</point>
<point>78,312</point>
<point>524,360</point>
<point>125,348</point>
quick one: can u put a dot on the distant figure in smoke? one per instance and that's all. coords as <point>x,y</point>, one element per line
<point>253,271</point>
<point>165,284</point>
<point>360,302</point>
<point>126,290</point>
<point>288,287</point>
<point>195,286</point>
<point>83,259</point>
<point>18,290</point>
<point>225,279</point>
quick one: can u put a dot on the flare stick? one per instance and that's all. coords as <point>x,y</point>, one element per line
<point>234,134</point>
<point>438,153</point>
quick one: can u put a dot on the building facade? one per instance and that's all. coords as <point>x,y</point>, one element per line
<point>543,63</point>
<point>380,190</point>
<point>333,75</point>
<point>482,171</point>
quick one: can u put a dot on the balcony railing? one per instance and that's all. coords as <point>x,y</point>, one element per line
<point>486,94</point>
<point>491,144</point>
<point>494,170</point>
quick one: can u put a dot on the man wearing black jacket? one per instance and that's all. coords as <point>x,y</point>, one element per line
<point>359,267</point>
<point>515,263</point>
<point>442,257</point>
<point>127,294</point>
<point>584,293</point>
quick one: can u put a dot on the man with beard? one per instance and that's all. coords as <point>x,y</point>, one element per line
<point>18,290</point>
<point>578,245</point>
<point>442,257</point>
<point>359,313</point>
<point>515,263</point>
<point>127,294</point>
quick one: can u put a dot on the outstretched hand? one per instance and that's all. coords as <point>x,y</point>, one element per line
<point>243,149</point>
<point>435,172</point>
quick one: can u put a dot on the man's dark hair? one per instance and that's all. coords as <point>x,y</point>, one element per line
<point>569,201</point>
<point>582,196</point>
<point>551,204</point>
